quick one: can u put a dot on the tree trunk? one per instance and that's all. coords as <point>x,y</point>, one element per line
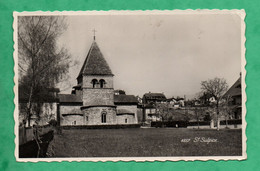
<point>218,124</point>
<point>226,122</point>
<point>197,115</point>
<point>29,106</point>
<point>162,122</point>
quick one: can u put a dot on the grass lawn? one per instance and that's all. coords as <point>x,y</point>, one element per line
<point>137,142</point>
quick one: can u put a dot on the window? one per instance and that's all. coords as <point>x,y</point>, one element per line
<point>86,118</point>
<point>102,83</point>
<point>94,82</point>
<point>74,123</point>
<point>125,120</point>
<point>103,117</point>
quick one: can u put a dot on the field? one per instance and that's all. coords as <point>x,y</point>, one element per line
<point>139,142</point>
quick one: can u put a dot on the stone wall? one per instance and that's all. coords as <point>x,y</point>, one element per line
<point>70,109</point>
<point>93,97</point>
<point>126,119</point>
<point>93,115</point>
<point>71,120</point>
<point>132,118</point>
<point>70,113</point>
<point>73,115</point>
<point>87,81</point>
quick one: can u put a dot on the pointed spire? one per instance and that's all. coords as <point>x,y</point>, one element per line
<point>94,31</point>
<point>95,63</point>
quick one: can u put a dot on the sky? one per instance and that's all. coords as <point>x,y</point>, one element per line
<point>168,54</point>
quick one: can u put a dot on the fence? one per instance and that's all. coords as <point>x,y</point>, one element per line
<point>185,124</point>
<point>102,126</point>
<point>27,134</point>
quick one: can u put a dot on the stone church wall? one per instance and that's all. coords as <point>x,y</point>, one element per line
<point>70,109</point>
<point>132,118</point>
<point>126,119</point>
<point>71,113</point>
<point>87,81</point>
<point>94,115</point>
<point>93,97</point>
<point>71,120</point>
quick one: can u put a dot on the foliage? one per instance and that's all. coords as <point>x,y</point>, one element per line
<point>225,109</point>
<point>53,122</point>
<point>216,87</point>
<point>163,110</point>
<point>42,64</point>
<point>207,117</point>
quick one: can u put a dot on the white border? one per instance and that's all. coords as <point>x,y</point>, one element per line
<point>242,15</point>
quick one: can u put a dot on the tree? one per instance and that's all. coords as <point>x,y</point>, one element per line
<point>207,117</point>
<point>198,115</point>
<point>42,64</point>
<point>226,110</point>
<point>216,88</point>
<point>162,109</point>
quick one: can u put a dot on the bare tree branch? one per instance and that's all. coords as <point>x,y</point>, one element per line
<point>39,61</point>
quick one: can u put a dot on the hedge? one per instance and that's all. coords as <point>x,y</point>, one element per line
<point>101,126</point>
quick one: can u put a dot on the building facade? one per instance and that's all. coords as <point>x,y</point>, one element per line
<point>150,101</point>
<point>93,100</point>
<point>235,93</point>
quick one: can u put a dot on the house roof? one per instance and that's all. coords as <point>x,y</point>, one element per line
<point>160,96</point>
<point>172,99</point>
<point>123,111</point>
<point>78,86</point>
<point>69,98</point>
<point>235,89</point>
<point>95,63</point>
<point>118,99</point>
<point>124,99</point>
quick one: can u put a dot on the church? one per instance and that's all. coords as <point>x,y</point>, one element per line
<point>93,100</point>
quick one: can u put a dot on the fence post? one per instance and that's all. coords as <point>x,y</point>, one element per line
<point>212,123</point>
<point>24,136</point>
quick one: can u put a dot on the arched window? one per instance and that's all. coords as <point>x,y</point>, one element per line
<point>103,117</point>
<point>102,83</point>
<point>94,82</point>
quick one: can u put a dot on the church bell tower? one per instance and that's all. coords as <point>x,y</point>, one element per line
<point>96,80</point>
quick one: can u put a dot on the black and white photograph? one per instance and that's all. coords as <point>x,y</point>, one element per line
<point>130,85</point>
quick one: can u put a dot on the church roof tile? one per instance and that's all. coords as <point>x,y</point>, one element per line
<point>95,63</point>
<point>69,98</point>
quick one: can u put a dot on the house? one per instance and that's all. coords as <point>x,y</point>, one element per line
<point>119,92</point>
<point>93,101</point>
<point>172,102</point>
<point>235,93</point>
<point>179,102</point>
<point>149,106</point>
<point>153,97</point>
<point>176,102</point>
<point>205,99</point>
